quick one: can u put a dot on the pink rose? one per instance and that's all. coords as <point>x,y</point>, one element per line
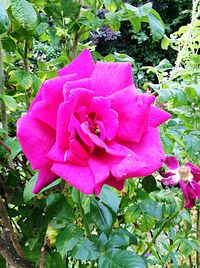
<point>90,126</point>
<point>186,176</point>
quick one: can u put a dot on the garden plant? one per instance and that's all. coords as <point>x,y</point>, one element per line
<point>99,133</point>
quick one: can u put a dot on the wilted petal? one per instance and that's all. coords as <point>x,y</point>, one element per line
<point>194,170</point>
<point>171,162</point>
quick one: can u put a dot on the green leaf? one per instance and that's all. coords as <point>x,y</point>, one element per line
<point>151,207</point>
<point>149,183</point>
<point>110,198</point>
<point>21,79</point>
<point>54,183</point>
<point>4,20</point>
<point>68,238</point>
<point>121,238</point>
<point>101,216</point>
<point>54,259</point>
<point>147,223</point>
<point>24,13</point>
<point>41,28</point>
<point>156,25</point>
<point>168,143</point>
<point>70,8</point>
<point>5,3</point>
<point>85,250</point>
<point>116,258</point>
<point>28,190</point>
<point>165,43</point>
<point>9,101</point>
<point>132,214</point>
<point>14,146</point>
<point>164,65</point>
<point>192,144</point>
<point>141,11</point>
<point>8,44</point>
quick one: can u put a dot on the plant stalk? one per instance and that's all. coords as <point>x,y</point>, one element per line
<point>4,118</point>
<point>163,226</point>
<point>85,222</point>
<point>181,53</point>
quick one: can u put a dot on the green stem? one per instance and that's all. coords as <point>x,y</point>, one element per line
<point>25,60</point>
<point>2,91</point>
<point>174,215</point>
<point>87,229</point>
<point>4,118</point>
<point>181,53</point>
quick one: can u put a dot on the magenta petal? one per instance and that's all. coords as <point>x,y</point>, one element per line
<point>157,116</point>
<point>110,121</point>
<point>149,151</point>
<point>99,169</point>
<point>63,119</point>
<point>80,177</point>
<point>52,89</point>
<point>118,184</point>
<point>128,166</point>
<point>170,181</point>
<point>133,113</point>
<point>109,78</point>
<point>37,98</point>
<point>36,139</point>
<point>82,83</point>
<point>196,186</point>
<point>57,154</point>
<point>111,181</point>
<point>195,171</point>
<point>45,177</point>
<point>171,162</point>
<point>185,193</point>
<point>83,66</point>
<point>45,113</point>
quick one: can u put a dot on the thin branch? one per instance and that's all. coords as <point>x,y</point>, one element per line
<point>44,250</point>
<point>168,220</point>
<point>17,158</point>
<point>8,226</point>
<point>12,258</point>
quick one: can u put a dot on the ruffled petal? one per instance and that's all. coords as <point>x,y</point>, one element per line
<point>109,78</point>
<point>36,139</point>
<point>81,177</point>
<point>83,66</point>
<point>171,162</point>
<point>129,165</point>
<point>149,151</point>
<point>45,177</point>
<point>133,113</point>
<point>45,113</point>
<point>157,116</point>
<point>99,169</point>
<point>82,83</point>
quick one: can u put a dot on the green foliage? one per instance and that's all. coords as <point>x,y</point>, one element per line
<point>38,38</point>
